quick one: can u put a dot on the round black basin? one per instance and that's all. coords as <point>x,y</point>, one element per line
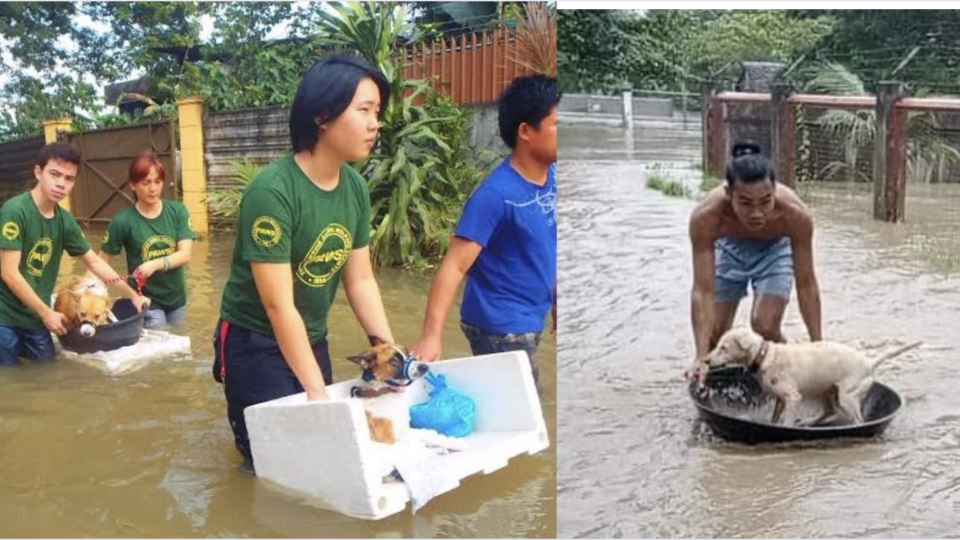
<point>735,407</point>
<point>126,331</point>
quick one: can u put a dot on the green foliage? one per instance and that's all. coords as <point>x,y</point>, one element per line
<point>32,100</point>
<point>593,50</point>
<point>608,51</point>
<point>667,186</point>
<point>224,203</point>
<point>755,35</point>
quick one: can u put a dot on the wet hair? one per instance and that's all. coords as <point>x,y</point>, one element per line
<point>58,151</point>
<point>326,91</point>
<point>749,165</point>
<point>529,99</point>
<point>140,167</point>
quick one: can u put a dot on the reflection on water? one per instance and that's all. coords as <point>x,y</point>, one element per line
<point>635,462</point>
<point>151,454</point>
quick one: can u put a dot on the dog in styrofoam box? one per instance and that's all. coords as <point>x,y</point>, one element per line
<point>387,369</point>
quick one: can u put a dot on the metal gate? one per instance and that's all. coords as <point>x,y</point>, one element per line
<point>101,190</point>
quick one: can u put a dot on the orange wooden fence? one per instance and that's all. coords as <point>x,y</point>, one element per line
<point>471,68</point>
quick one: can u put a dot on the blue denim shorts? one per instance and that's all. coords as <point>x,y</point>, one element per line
<point>766,264</point>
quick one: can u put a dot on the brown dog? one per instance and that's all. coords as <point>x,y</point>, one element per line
<point>83,300</point>
<point>386,368</point>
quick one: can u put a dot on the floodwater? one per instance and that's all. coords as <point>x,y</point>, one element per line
<point>150,453</point>
<point>634,460</point>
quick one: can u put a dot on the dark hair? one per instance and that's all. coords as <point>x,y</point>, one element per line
<point>529,100</point>
<point>749,165</point>
<point>326,91</point>
<point>59,151</point>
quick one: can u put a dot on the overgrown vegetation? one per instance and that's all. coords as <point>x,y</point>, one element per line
<point>672,187</point>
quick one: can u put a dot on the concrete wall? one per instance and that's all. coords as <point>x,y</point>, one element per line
<point>485,130</point>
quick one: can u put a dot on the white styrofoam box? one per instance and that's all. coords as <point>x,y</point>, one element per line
<point>153,345</point>
<point>323,449</point>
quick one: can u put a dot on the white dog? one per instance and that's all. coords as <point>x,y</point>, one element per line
<point>838,375</point>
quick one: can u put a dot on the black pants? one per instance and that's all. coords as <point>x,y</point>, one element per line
<point>253,370</point>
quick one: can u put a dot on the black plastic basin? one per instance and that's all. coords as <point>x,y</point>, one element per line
<point>126,331</point>
<point>735,407</point>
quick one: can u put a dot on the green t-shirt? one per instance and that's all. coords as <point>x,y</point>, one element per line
<point>285,218</point>
<point>146,239</point>
<point>41,242</point>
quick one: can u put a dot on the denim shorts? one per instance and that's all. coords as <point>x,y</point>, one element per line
<point>766,264</point>
<point>484,342</point>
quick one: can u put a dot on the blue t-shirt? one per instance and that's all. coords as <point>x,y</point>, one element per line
<point>510,286</point>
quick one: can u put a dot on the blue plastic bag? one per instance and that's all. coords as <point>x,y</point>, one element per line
<point>449,412</point>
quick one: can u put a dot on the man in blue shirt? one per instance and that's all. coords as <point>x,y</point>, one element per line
<point>506,240</point>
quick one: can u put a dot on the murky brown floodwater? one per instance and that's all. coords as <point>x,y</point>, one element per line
<point>150,453</point>
<point>634,460</point>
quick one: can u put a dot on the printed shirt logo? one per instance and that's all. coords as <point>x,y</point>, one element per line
<point>266,231</point>
<point>547,203</point>
<point>190,224</point>
<point>156,247</point>
<point>39,256</point>
<point>106,237</point>
<point>327,255</point>
<point>10,230</point>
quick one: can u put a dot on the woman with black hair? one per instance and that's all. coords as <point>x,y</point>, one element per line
<point>304,223</point>
<point>750,231</point>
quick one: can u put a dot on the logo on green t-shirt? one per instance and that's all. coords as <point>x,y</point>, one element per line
<point>39,256</point>
<point>266,231</point>
<point>106,237</point>
<point>328,253</point>
<point>156,247</point>
<point>11,231</point>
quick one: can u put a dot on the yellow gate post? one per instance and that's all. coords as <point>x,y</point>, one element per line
<point>193,173</point>
<point>50,128</point>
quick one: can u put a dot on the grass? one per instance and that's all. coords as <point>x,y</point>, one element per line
<point>675,188</point>
<point>708,183</point>
<point>666,185</point>
<point>940,254</point>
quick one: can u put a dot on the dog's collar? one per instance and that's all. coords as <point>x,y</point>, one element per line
<point>757,361</point>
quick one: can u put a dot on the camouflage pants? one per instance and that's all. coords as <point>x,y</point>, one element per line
<point>484,342</point>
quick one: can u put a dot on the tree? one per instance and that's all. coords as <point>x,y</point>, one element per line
<point>753,35</point>
<point>873,44</point>
<point>33,100</point>
<point>593,50</point>
<point>664,51</point>
<point>30,31</point>
<point>456,18</point>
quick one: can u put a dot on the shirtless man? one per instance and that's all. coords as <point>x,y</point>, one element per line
<point>750,230</point>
